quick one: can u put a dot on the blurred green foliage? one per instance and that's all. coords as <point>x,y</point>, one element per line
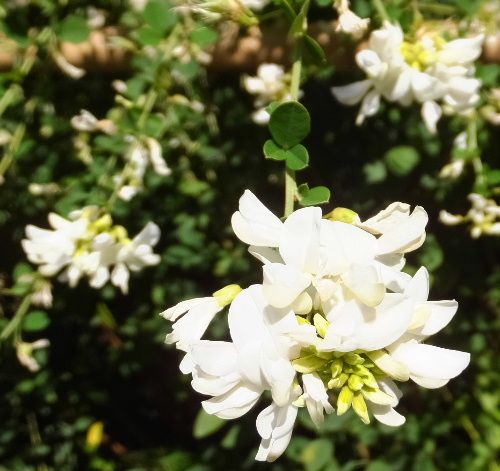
<point>107,362</point>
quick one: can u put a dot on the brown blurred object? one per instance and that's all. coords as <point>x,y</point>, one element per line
<point>232,53</point>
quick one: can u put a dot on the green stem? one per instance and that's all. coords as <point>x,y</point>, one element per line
<point>18,317</point>
<point>10,153</point>
<point>290,191</point>
<point>473,149</point>
<point>382,12</point>
<point>151,98</point>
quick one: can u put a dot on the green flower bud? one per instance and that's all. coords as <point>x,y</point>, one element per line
<point>359,406</point>
<point>337,383</point>
<point>355,383</point>
<point>321,324</point>
<point>344,400</point>
<point>226,295</point>
<point>308,364</point>
<point>353,358</point>
<point>336,367</point>
<point>343,215</point>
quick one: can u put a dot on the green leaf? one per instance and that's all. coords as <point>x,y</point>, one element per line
<point>273,151</point>
<point>312,196</point>
<point>315,50</point>
<point>289,124</point>
<point>297,158</point>
<point>159,15</point>
<point>149,36</point>
<point>317,454</point>
<point>206,424</point>
<point>401,160</point>
<point>204,36</point>
<point>74,29</point>
<point>375,172</point>
<point>36,320</point>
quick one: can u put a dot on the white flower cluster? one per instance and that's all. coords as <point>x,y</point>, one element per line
<point>430,71</point>
<point>88,244</point>
<point>139,156</point>
<point>483,216</point>
<point>333,325</point>
<point>270,84</point>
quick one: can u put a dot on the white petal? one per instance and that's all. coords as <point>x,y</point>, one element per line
<point>275,425</point>
<point>387,219</point>
<point>428,382</point>
<point>365,284</point>
<point>214,357</point>
<point>369,62</point>
<point>265,254</point>
<point>149,235</point>
<point>232,404</point>
<point>369,106</point>
<point>441,313</point>
<point>283,283</point>
<point>254,224</point>
<point>431,113</point>
<point>299,242</point>
<point>418,288</point>
<point>387,415</point>
<point>431,362</point>
<point>462,51</point>
<point>120,277</point>
<point>405,237</point>
<point>352,93</point>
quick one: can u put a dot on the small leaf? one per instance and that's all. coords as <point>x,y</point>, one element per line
<point>297,158</point>
<point>36,320</point>
<point>401,160</point>
<point>206,424</point>
<point>74,29</point>
<point>204,36</point>
<point>315,50</point>
<point>289,124</point>
<point>159,16</point>
<point>273,151</point>
<point>149,36</point>
<point>312,196</point>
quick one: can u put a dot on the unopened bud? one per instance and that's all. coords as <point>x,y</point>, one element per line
<point>226,295</point>
<point>343,215</point>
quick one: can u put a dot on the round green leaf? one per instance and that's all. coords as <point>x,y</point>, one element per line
<point>159,15</point>
<point>36,320</point>
<point>401,160</point>
<point>297,158</point>
<point>206,424</point>
<point>289,124</point>
<point>313,196</point>
<point>273,151</point>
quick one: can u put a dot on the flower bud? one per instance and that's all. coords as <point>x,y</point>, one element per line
<point>226,295</point>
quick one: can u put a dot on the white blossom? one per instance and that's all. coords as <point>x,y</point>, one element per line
<point>89,245</point>
<point>24,351</point>
<point>430,71</point>
<point>349,22</point>
<point>335,321</point>
<point>270,84</point>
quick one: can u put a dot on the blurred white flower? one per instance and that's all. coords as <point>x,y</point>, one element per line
<point>349,22</point>
<point>483,216</point>
<point>86,121</point>
<point>270,84</point>
<point>67,68</point>
<point>24,351</point>
<point>429,71</point>
<point>89,245</point>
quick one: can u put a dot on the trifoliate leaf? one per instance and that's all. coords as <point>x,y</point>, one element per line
<point>273,151</point>
<point>297,158</point>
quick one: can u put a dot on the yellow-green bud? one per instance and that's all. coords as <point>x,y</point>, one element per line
<point>103,223</point>
<point>303,304</point>
<point>337,383</point>
<point>359,406</point>
<point>355,383</point>
<point>344,400</point>
<point>308,364</point>
<point>321,324</point>
<point>336,367</point>
<point>226,295</point>
<point>343,215</point>
<point>353,358</point>
<point>370,380</point>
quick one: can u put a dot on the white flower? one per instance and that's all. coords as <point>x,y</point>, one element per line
<point>270,84</point>
<point>256,5</point>
<point>24,351</point>
<point>325,256</point>
<point>483,216</point>
<point>349,22</point>
<point>427,71</point>
<point>86,121</point>
<point>334,323</point>
<point>89,245</point>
